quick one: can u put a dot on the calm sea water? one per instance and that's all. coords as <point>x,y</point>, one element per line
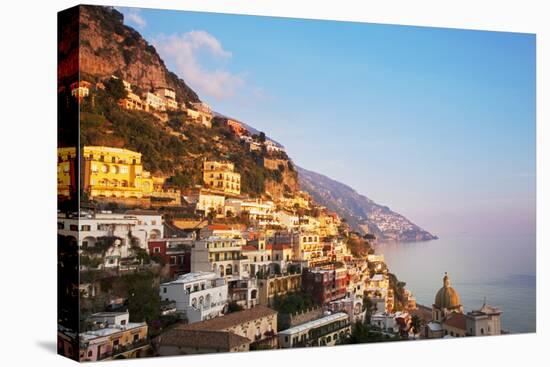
<point>500,268</point>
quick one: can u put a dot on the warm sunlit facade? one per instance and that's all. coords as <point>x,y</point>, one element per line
<point>107,172</point>
<point>66,181</point>
<point>220,176</point>
<point>115,172</point>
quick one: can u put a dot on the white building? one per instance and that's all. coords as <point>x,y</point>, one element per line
<point>199,296</point>
<point>259,211</point>
<point>289,221</point>
<point>323,331</point>
<point>271,146</point>
<point>155,101</point>
<point>110,318</point>
<point>166,93</point>
<point>126,230</point>
<point>353,306</point>
<point>224,256</point>
<point>485,321</point>
<point>206,201</point>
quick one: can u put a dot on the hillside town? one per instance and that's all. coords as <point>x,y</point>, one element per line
<point>222,271</point>
<point>166,251</point>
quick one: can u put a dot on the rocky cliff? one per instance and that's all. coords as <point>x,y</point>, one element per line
<point>108,47</point>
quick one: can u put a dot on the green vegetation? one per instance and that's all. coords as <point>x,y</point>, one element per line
<point>143,298</point>
<point>174,148</point>
<point>294,302</point>
<point>234,307</point>
<point>398,288</point>
<point>358,246</point>
<point>363,333</point>
<point>416,324</point>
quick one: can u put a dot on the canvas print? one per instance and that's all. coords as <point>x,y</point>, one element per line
<point>232,183</point>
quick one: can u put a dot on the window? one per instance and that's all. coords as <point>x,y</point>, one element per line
<point>482,331</point>
<point>89,353</point>
<point>123,322</point>
<point>164,290</point>
<point>60,225</point>
<point>116,342</point>
<point>136,337</point>
<point>86,228</point>
<point>172,260</point>
<point>73,227</point>
<point>156,250</point>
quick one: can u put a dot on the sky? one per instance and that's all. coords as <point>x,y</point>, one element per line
<point>438,124</point>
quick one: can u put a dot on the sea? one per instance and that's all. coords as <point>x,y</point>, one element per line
<point>498,269</point>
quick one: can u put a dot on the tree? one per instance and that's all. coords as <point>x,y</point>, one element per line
<point>143,298</point>
<point>416,324</point>
<point>234,307</point>
<point>115,88</point>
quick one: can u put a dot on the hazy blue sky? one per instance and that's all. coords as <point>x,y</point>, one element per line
<point>438,124</point>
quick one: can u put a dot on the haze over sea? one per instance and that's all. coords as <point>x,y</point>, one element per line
<point>501,268</point>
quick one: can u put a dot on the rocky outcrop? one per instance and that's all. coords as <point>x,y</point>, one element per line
<point>108,47</point>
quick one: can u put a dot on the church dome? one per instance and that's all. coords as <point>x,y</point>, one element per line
<point>447,297</point>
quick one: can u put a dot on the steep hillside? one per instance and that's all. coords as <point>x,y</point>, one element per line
<point>108,47</point>
<point>174,147</point>
<point>362,213</point>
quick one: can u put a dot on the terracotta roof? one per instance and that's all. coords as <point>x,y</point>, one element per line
<point>218,227</point>
<point>232,319</point>
<point>423,312</point>
<point>456,320</point>
<point>201,339</point>
<point>249,248</point>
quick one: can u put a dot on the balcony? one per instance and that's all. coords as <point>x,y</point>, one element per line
<point>121,349</point>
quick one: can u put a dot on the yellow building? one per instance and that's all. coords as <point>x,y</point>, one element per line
<point>115,172</point>
<point>106,172</point>
<point>220,176</point>
<point>66,159</point>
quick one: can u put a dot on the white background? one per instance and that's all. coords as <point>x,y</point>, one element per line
<point>28,182</point>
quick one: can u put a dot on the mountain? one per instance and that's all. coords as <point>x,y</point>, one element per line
<point>174,148</point>
<point>361,213</point>
<point>108,47</point>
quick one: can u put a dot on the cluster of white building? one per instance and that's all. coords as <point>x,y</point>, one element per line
<point>162,99</point>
